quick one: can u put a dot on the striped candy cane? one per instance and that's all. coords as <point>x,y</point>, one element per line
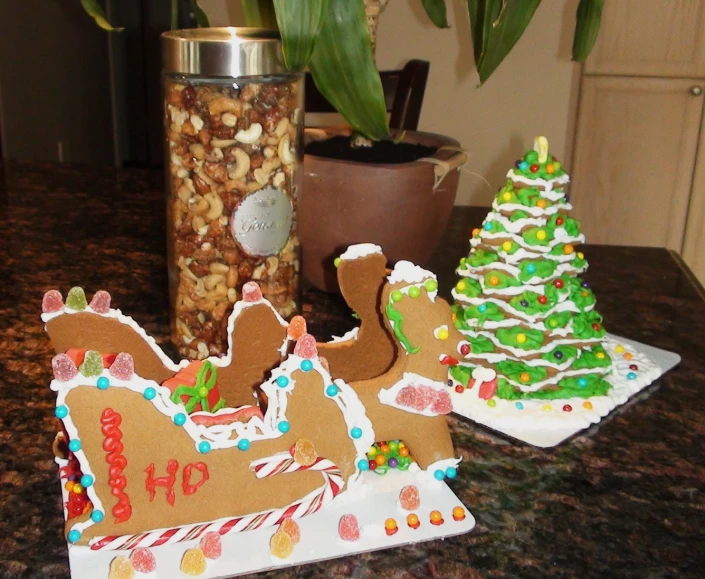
<point>270,466</point>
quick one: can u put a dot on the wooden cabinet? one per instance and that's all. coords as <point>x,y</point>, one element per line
<point>639,152</point>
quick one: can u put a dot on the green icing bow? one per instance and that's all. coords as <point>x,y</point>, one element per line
<point>205,378</point>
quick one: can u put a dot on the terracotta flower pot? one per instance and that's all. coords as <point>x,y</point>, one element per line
<point>392,205</point>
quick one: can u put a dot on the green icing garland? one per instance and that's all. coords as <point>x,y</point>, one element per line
<point>513,370</point>
<point>566,388</point>
<point>490,311</point>
<point>395,316</point>
<point>469,287</point>
<point>542,268</point>
<point>508,337</point>
<point>461,374</point>
<point>588,359</point>
<point>504,280</point>
<point>534,307</point>
<point>558,320</point>
<point>482,257</point>
<point>480,344</point>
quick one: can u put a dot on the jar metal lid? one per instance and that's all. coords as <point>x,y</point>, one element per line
<point>226,51</point>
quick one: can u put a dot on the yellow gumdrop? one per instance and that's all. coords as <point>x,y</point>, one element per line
<point>193,562</point>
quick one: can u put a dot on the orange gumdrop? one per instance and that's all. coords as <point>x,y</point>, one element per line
<point>193,562</point>
<point>281,545</point>
<point>304,452</point>
<point>297,327</point>
<point>409,498</point>
<point>121,568</point>
<point>291,528</point>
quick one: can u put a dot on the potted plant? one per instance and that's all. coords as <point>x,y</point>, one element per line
<point>346,201</point>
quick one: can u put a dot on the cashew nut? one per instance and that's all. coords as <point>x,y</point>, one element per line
<point>182,173</point>
<point>222,143</point>
<point>250,135</point>
<point>177,115</point>
<point>197,150</point>
<point>197,122</point>
<point>284,151</point>
<point>236,185</point>
<point>215,204</point>
<point>229,119</point>
<point>261,176</point>
<point>282,127</point>
<point>259,270</point>
<point>223,105</point>
<point>184,193</point>
<point>202,350</point>
<point>271,165</point>
<point>269,151</point>
<point>242,164</point>
<point>198,224</point>
<point>199,205</point>
<point>272,265</point>
<point>279,179</point>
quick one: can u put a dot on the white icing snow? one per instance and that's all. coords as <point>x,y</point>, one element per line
<point>360,250</point>
<point>346,337</point>
<point>407,272</point>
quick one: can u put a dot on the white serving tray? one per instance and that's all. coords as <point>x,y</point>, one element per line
<point>546,429</point>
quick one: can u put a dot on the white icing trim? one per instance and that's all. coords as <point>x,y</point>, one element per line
<point>405,271</point>
<point>348,336</point>
<point>360,250</point>
<point>547,185</point>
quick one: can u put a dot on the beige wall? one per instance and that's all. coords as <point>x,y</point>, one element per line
<point>531,93</point>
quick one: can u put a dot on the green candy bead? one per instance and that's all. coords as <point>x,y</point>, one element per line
<point>76,299</point>
<point>414,292</point>
<point>397,296</point>
<point>431,285</point>
<point>336,262</point>
<point>92,363</point>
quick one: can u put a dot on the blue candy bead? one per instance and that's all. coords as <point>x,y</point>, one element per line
<point>558,355</point>
<point>519,406</point>
<point>307,365</point>
<point>439,475</point>
<point>363,464</point>
<point>244,444</point>
<point>103,383</point>
<point>74,536</point>
<point>97,516</point>
<point>451,472</point>
<point>283,427</point>
<point>86,480</point>
<point>582,382</point>
<point>523,165</point>
<point>482,308</point>
<point>204,447</point>
<point>180,419</point>
<point>487,226</point>
<point>356,432</point>
<point>75,445</point>
<point>61,412</point>
<point>332,390</point>
<point>531,268</point>
<point>631,376</point>
<point>282,381</point>
<point>149,393</point>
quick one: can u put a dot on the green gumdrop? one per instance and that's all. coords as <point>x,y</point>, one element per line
<point>92,363</point>
<point>76,299</point>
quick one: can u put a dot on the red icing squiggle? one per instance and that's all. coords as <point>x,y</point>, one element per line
<point>167,481</point>
<point>110,427</point>
<point>189,488</point>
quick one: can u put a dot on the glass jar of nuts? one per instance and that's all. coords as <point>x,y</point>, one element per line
<point>233,117</point>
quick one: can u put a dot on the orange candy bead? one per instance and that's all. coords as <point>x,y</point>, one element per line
<point>493,280</point>
<point>541,203</point>
<point>384,448</point>
<point>390,526</point>
<point>550,169</point>
<point>568,249</point>
<point>524,377</point>
<point>413,521</point>
<point>380,460</point>
<point>587,405</point>
<point>628,356</point>
<point>475,232</point>
<point>458,513</point>
<point>436,518</point>
<point>403,451</point>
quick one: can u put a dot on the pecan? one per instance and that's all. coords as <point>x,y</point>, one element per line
<point>245,270</point>
<point>216,171</point>
<point>232,257</point>
<point>256,161</point>
<point>204,137</point>
<point>188,97</point>
<point>201,185</point>
<point>199,269</point>
<point>223,132</point>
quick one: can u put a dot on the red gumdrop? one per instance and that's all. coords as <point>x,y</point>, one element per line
<point>443,404</point>
<point>427,396</point>
<point>211,545</point>
<point>143,560</point>
<point>63,367</point>
<point>52,302</point>
<point>325,364</point>
<point>251,292</point>
<point>348,528</point>
<point>297,327</point>
<point>488,389</point>
<point>306,347</point>
<point>123,367</point>
<point>409,498</point>
<point>100,302</point>
<point>416,397</point>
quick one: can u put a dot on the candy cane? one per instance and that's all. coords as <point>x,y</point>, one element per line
<point>270,466</point>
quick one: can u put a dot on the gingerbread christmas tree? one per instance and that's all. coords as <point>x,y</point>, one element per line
<point>520,301</point>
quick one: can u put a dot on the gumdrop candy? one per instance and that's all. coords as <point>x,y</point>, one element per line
<point>143,560</point>
<point>325,364</point>
<point>92,364</point>
<point>123,367</point>
<point>63,367</point>
<point>121,568</point>
<point>193,562</point>
<point>52,302</point>
<point>281,545</point>
<point>416,397</point>
<point>291,528</point>
<point>443,404</point>
<point>306,347</point>
<point>76,299</point>
<point>100,302</point>
<point>211,545</point>
<point>251,292</point>
<point>348,528</point>
<point>304,452</point>
<point>297,327</point>
<point>409,498</point>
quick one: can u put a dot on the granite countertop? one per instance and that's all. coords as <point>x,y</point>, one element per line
<point>624,499</point>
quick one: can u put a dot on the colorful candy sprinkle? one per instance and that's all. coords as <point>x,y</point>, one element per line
<point>567,408</point>
<point>409,499</point>
<point>123,367</point>
<point>390,527</point>
<point>193,562</point>
<point>348,528</point>
<point>143,560</point>
<point>304,452</point>
<point>458,513</point>
<point>291,528</point>
<point>121,568</point>
<point>52,302</point>
<point>587,405</point>
<point>436,518</point>
<point>63,367</point>
<point>413,521</point>
<point>76,299</point>
<point>100,302</point>
<point>281,545</point>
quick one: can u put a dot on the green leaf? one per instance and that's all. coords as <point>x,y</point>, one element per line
<point>259,13</point>
<point>299,22</point>
<point>586,28</point>
<point>500,24</point>
<point>436,11</point>
<point>343,68</point>
<point>199,13</point>
<point>95,11</point>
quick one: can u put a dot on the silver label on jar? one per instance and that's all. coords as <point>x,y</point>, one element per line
<point>262,221</point>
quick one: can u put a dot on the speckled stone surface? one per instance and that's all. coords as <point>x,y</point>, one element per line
<point>624,499</point>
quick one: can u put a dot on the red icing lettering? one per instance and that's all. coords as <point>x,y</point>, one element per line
<point>112,444</point>
<point>189,488</point>
<point>167,482</point>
